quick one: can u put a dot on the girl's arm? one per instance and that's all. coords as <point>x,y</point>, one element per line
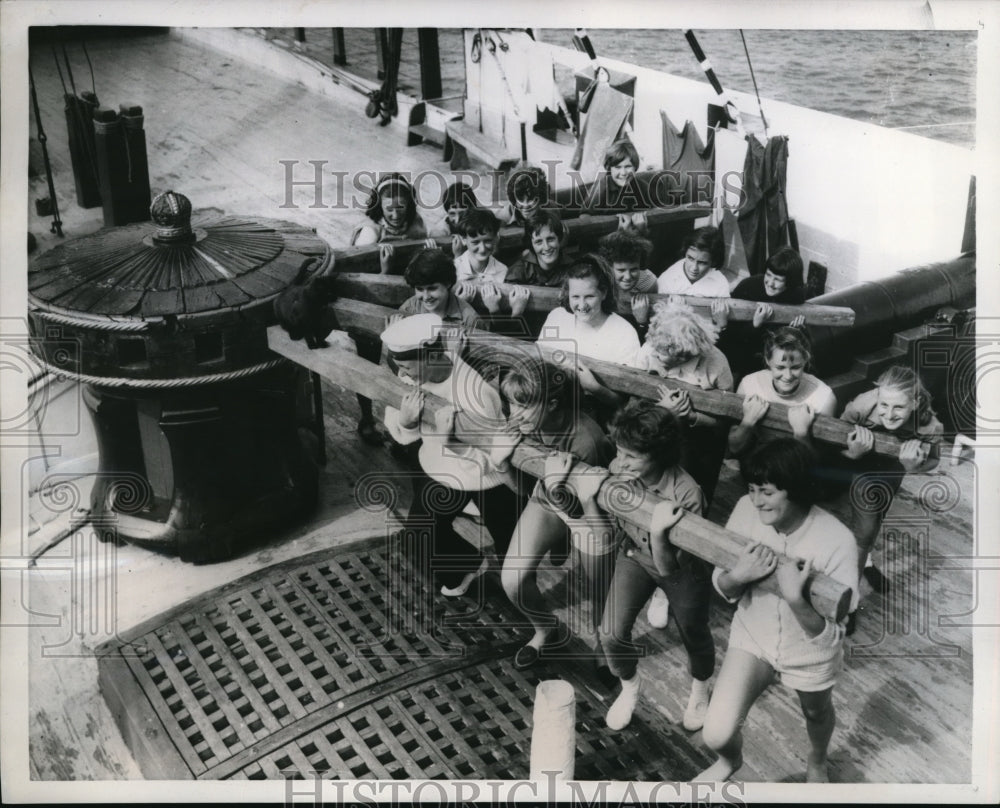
<point>792,580</point>
<point>740,436</point>
<point>366,234</point>
<point>756,561</point>
<point>590,385</point>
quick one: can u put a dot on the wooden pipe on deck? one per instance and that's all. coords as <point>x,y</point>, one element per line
<point>392,290</point>
<point>586,228</point>
<point>626,500</point>
<point>484,346</point>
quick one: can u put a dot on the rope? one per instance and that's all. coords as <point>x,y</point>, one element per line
<point>96,325</point>
<point>62,81</point>
<point>162,384</point>
<point>754,79</point>
<point>56,226</point>
<point>77,112</point>
<point>93,86</point>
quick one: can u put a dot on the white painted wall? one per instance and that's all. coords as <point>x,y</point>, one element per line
<point>868,201</point>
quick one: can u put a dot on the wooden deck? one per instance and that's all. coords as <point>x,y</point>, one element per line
<point>216,128</point>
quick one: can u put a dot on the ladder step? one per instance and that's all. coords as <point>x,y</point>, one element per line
<point>479,146</point>
<point>871,364</point>
<point>428,133</point>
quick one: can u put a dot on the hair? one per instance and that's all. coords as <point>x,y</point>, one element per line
<point>786,263</point>
<point>477,222</point>
<point>527,182</point>
<point>460,194</point>
<point>428,267</point>
<point>677,325</point>
<point>625,246</point>
<point>787,464</point>
<point>643,426</point>
<point>540,219</point>
<point>899,377</point>
<point>618,151</point>
<point>537,380</point>
<point>393,182</point>
<point>710,240</point>
<point>592,266</point>
<point>787,338</point>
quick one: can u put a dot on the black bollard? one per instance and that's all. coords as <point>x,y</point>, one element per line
<point>135,185</point>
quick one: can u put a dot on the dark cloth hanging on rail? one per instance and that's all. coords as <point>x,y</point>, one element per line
<point>688,162</point>
<point>763,216</point>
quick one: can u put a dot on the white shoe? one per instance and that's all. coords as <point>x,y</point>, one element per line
<point>658,609</point>
<point>694,715</point>
<point>620,713</point>
<point>463,587</point>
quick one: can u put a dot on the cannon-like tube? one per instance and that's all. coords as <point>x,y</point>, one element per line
<point>883,307</point>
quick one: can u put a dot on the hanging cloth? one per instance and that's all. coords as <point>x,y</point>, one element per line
<point>686,155</point>
<point>763,216</point>
<point>609,110</point>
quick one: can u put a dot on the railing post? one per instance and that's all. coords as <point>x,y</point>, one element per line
<point>430,62</point>
<point>339,49</point>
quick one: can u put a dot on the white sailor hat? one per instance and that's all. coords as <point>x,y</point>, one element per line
<point>412,333</point>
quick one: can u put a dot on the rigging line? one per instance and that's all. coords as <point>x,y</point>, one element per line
<point>754,79</point>
<point>62,81</point>
<point>93,86</point>
<point>78,114</point>
<point>56,226</point>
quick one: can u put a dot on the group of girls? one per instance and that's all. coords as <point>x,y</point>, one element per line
<point>674,451</point>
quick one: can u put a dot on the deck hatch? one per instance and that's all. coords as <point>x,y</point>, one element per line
<point>345,663</point>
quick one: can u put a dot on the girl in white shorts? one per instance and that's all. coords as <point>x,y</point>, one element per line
<point>779,634</point>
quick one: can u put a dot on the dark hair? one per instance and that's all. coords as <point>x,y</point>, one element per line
<point>618,151</point>
<point>389,183</point>
<point>623,246</point>
<point>459,194</point>
<point>478,221</point>
<point>643,426</point>
<point>535,381</point>
<point>710,240</point>
<point>527,182</point>
<point>787,464</point>
<point>787,338</point>
<point>540,219</point>
<point>786,263</point>
<point>592,266</point>
<point>428,267</point>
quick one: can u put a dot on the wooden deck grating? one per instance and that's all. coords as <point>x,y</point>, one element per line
<point>347,663</point>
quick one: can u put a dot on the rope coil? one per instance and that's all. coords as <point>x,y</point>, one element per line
<point>161,384</point>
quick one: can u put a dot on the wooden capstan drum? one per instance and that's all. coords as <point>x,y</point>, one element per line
<point>196,420</point>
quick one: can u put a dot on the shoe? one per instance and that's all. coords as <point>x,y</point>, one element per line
<point>852,623</point>
<point>620,713</point>
<point>369,433</point>
<point>697,706</point>
<point>659,609</point>
<point>605,677</point>
<point>558,557</point>
<point>877,580</point>
<point>526,656</point>
<point>463,586</point>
